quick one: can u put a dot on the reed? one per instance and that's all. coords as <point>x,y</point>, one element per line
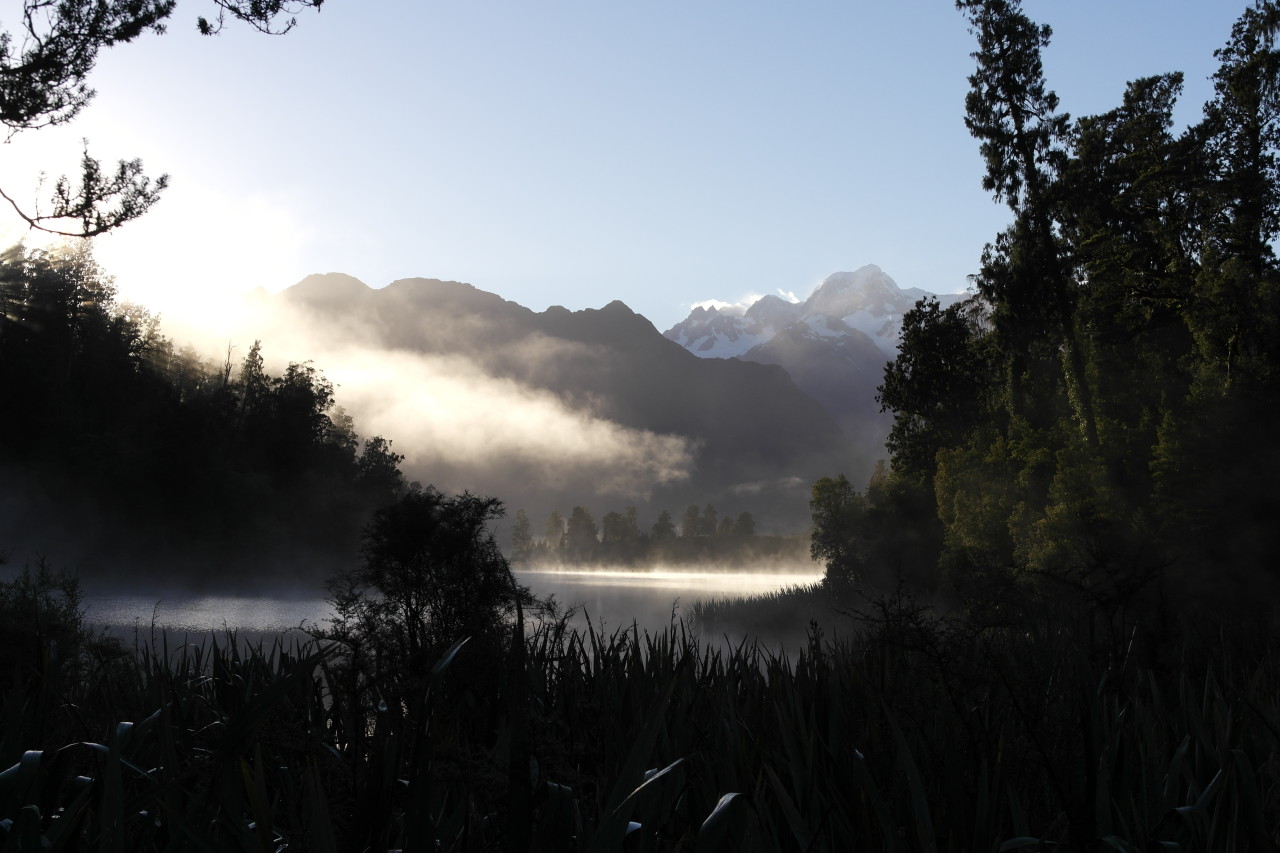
<point>927,737</point>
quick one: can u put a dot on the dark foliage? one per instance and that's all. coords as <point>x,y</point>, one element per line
<point>122,451</point>
<point>44,82</point>
<point>1097,422</point>
<point>917,734</point>
<point>431,574</point>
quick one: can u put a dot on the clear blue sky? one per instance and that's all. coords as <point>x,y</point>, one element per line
<point>574,153</point>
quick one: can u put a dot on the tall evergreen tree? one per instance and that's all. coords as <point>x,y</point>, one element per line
<point>691,523</point>
<point>521,538</point>
<point>664,528</point>
<point>582,542</point>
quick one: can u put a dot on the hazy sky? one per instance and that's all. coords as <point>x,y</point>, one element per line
<point>574,153</point>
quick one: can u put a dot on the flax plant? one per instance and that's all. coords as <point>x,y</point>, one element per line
<point>923,735</point>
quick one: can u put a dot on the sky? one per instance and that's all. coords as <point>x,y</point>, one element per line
<point>573,153</point>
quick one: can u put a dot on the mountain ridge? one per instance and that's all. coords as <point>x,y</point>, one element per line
<point>745,423</point>
<point>834,344</point>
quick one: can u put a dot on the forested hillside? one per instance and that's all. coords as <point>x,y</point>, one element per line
<point>1097,422</point>
<point>128,457</point>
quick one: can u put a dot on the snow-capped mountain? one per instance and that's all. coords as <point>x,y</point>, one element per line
<point>834,344</point>
<point>863,302</point>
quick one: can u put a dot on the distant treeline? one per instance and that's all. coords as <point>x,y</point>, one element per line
<point>704,536</point>
<point>119,449</point>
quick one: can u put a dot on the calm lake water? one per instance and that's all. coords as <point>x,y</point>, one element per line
<point>612,598</point>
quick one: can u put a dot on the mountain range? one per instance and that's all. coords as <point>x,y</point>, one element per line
<point>833,345</point>
<point>667,428</point>
<point>551,409</point>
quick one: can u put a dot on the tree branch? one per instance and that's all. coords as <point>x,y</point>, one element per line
<point>101,202</point>
<point>259,14</point>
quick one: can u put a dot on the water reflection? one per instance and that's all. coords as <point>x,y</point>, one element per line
<point>705,583</point>
<point>254,614</point>
<point>650,599</point>
<point>613,599</point>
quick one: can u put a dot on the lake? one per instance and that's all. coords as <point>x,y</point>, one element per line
<point>611,598</point>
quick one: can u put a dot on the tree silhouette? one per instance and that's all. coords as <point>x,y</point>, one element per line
<point>124,432</point>
<point>555,531</point>
<point>581,542</point>
<point>432,575</point>
<point>709,525</point>
<point>1099,415</point>
<point>691,524</point>
<point>521,538</point>
<point>663,529</point>
<point>44,83</point>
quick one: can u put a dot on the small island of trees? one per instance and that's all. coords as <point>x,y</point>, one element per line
<point>703,538</point>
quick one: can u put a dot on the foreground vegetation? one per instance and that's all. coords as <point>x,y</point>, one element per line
<point>914,734</point>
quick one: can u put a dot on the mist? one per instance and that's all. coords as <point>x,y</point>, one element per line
<point>477,396</point>
<point>458,425</point>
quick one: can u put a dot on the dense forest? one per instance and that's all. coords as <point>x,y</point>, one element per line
<point>1096,422</point>
<point>125,455</point>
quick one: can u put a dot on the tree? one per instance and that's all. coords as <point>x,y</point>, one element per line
<point>838,510</point>
<point>521,538</point>
<point>263,15</point>
<point>1216,464</point>
<point>1025,276</point>
<point>934,387</point>
<point>1128,212</point>
<point>874,540</point>
<point>254,382</point>
<point>378,468</point>
<point>1009,108</point>
<point>710,521</point>
<point>745,526</point>
<point>44,82</point>
<point>581,535</point>
<point>555,531</point>
<point>1238,294</point>
<point>664,528</point>
<point>41,626</point>
<point>613,528</point>
<point>431,575</point>
<point>691,525</point>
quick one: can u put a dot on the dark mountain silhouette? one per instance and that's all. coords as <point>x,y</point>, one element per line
<point>754,432</point>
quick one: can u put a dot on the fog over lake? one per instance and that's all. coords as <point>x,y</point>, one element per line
<point>612,598</point>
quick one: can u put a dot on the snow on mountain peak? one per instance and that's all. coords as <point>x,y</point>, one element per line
<point>834,344</point>
<point>844,293</point>
<point>865,301</point>
<point>718,306</point>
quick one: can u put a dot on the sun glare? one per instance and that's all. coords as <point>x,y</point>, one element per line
<point>195,265</point>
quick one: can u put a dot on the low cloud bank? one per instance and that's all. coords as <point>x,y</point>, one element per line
<point>458,423</point>
<point>447,414</point>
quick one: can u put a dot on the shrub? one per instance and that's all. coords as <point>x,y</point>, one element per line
<point>431,575</point>
<point>41,626</point>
